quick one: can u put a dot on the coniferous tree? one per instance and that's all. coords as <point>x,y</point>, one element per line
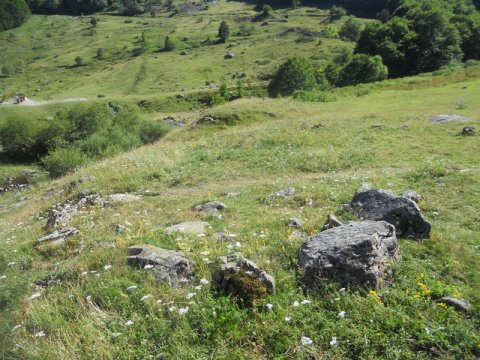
<point>223,32</point>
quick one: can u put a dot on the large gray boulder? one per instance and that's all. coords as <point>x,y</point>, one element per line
<point>242,279</point>
<point>169,266</point>
<point>358,255</point>
<point>403,213</point>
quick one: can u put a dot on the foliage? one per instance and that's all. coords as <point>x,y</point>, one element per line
<point>170,44</point>
<point>246,30</point>
<point>73,7</point>
<point>63,160</point>
<point>223,32</point>
<point>336,13</point>
<point>363,69</point>
<point>295,74</point>
<point>13,13</point>
<point>351,29</point>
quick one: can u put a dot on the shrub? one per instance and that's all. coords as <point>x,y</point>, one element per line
<point>170,43</point>
<point>336,13</point>
<point>63,160</point>
<point>6,71</point>
<point>18,136</point>
<point>363,69</point>
<point>351,29</point>
<point>246,30</point>
<point>152,131</point>
<point>295,74</point>
<point>78,61</point>
<point>13,13</point>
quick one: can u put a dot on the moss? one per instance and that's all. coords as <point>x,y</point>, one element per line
<point>245,289</point>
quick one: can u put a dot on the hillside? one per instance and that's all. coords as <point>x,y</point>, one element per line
<point>80,299</point>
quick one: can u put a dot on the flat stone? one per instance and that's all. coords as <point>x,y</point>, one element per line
<point>357,254</point>
<point>211,207</point>
<point>283,193</point>
<point>169,266</point>
<point>58,237</point>
<point>126,198</point>
<point>442,119</point>
<point>192,227</point>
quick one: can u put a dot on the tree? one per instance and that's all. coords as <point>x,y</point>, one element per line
<point>78,61</point>
<point>93,22</point>
<point>351,29</point>
<point>223,32</point>
<point>363,69</point>
<point>296,73</point>
<point>13,13</point>
<point>99,54</point>
<point>336,13</point>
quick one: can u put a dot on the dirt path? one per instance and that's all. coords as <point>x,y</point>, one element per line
<point>31,102</point>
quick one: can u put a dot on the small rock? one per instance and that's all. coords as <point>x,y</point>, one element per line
<point>124,198</point>
<point>58,237</point>
<point>468,130</point>
<point>441,119</point>
<point>184,52</point>
<point>192,227</point>
<point>403,213</point>
<point>460,305</point>
<point>170,120</point>
<point>294,222</point>
<point>229,55</point>
<point>283,193</point>
<point>168,265</point>
<point>364,187</point>
<point>232,194</point>
<point>211,207</point>
<point>242,279</point>
<point>331,222</point>
<point>357,254</point>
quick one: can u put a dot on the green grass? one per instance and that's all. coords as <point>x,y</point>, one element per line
<point>382,137</point>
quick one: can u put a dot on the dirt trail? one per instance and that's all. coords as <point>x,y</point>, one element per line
<point>31,102</point>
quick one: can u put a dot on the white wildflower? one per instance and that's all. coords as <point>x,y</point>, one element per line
<point>342,290</point>
<point>172,308</point>
<point>341,314</point>
<point>206,261</point>
<point>198,288</point>
<point>305,302</point>
<point>16,327</point>
<point>205,253</point>
<point>34,296</point>
<point>204,281</point>
<point>190,295</point>
<point>201,235</point>
<point>427,330</point>
<point>3,277</point>
<point>84,273</point>
<point>159,302</point>
<point>183,311</point>
<point>117,334</point>
<point>288,319</point>
<point>238,245</point>
<point>107,267</point>
<point>129,323</point>
<point>296,303</point>
<point>40,334</point>
<point>131,288</point>
<point>145,297</point>
<point>333,342</point>
<point>306,341</point>
<point>11,263</point>
<point>148,266</point>
<point>269,306</point>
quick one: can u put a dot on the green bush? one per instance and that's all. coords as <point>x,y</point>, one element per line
<point>351,29</point>
<point>13,13</point>
<point>63,160</point>
<point>18,137</point>
<point>152,131</point>
<point>295,74</point>
<point>170,43</point>
<point>363,69</point>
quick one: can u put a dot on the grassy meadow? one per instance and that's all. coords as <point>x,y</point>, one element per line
<point>377,133</point>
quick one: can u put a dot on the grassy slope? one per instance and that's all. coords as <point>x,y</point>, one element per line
<point>271,147</point>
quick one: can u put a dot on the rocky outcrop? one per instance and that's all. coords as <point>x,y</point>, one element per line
<point>242,279</point>
<point>358,255</point>
<point>168,265</point>
<point>460,305</point>
<point>403,213</point>
<point>282,193</point>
